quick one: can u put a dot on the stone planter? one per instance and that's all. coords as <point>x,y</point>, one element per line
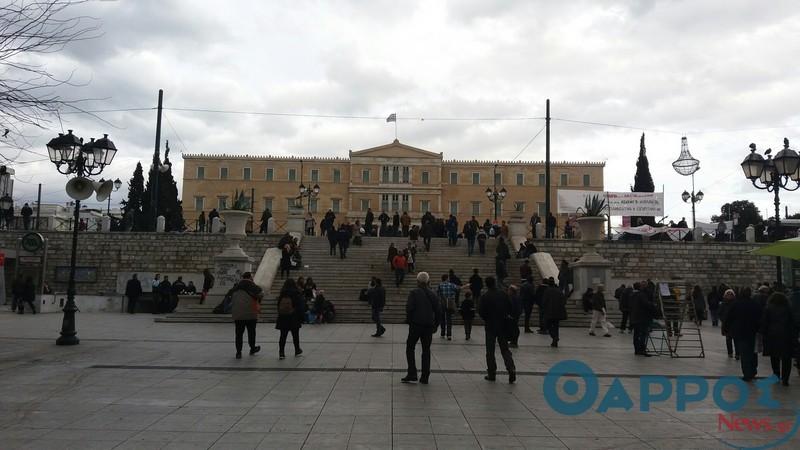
<point>236,221</point>
<point>591,228</point>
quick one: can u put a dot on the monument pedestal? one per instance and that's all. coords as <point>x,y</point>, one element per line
<point>591,269</point>
<point>517,229</point>
<point>296,220</point>
<point>233,261</point>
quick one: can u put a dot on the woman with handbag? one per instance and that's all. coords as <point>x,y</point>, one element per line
<point>245,306</point>
<point>291,310</point>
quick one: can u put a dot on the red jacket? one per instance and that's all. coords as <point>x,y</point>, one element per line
<point>399,262</point>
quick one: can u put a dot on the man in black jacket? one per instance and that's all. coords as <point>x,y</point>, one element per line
<point>377,300</point>
<point>527,293</point>
<point>423,314</point>
<point>744,318</point>
<point>496,311</point>
<point>368,221</point>
<point>625,307</point>
<point>641,314</point>
<point>133,290</point>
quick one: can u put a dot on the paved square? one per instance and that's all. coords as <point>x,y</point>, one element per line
<point>135,384</point>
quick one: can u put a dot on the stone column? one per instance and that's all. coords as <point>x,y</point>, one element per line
<point>233,261</point>
<point>160,224</point>
<point>296,220</point>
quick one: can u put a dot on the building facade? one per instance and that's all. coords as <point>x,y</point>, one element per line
<point>392,177</point>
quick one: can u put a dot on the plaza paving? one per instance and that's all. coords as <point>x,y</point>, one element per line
<point>135,384</point>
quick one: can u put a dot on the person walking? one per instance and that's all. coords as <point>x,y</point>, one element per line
<point>214,214</point>
<point>564,278</point>
<point>26,212</point>
<point>554,309</point>
<point>427,233</point>
<point>642,312</point>
<point>713,305</point>
<point>527,293</point>
<point>28,295</point>
<point>291,310</point>
<point>475,284</point>
<point>405,223</point>
<point>743,324</point>
<point>208,284</point>
<point>368,221</point>
<point>550,226</point>
<point>154,292</point>
<point>423,315</point>
<point>265,216</point>
<point>333,240</point>
<point>496,311</point>
<point>310,224</point>
<point>165,295</point>
<point>727,300</point>
<point>392,252</point>
<point>447,295</point>
<point>599,311</point>
<point>625,307</point>
<point>470,233</point>
<point>467,311</point>
<point>376,296</point>
<point>246,299</point>
<point>16,293</point>
<point>501,258</point>
<point>286,261</point>
<point>780,335</point>
<point>343,236</point>
<point>516,312</point>
<point>396,224</point>
<point>400,265</point>
<point>133,290</point>
<point>201,222</point>
<point>699,305</point>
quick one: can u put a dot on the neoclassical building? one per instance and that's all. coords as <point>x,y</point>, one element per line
<point>392,177</point>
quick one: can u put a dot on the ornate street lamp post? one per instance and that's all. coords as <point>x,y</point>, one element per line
<point>72,157</point>
<point>773,175</point>
<point>494,195</point>
<point>687,165</point>
<point>307,192</point>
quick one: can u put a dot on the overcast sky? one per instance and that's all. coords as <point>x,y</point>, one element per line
<point>722,72</point>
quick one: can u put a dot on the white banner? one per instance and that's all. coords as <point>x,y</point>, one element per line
<point>620,203</point>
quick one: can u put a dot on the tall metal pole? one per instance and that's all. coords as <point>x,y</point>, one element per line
<point>108,208</point>
<point>494,193</point>
<point>694,224</point>
<point>38,205</point>
<point>156,163</point>
<point>547,160</point>
<point>68,334</point>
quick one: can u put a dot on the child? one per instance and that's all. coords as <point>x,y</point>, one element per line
<point>467,313</point>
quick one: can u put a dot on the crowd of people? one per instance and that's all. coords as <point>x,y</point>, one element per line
<point>165,292</point>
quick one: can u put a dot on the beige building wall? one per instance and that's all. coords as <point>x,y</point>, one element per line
<point>396,175</point>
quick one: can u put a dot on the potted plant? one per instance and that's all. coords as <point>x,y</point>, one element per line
<point>592,218</point>
<point>237,215</point>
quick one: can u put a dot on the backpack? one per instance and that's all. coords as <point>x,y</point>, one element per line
<point>285,306</point>
<point>451,304</point>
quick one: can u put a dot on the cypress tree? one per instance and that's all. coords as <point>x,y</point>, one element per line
<point>132,207</point>
<point>643,181</point>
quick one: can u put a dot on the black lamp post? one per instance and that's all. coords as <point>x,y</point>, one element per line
<point>687,165</point>
<point>307,192</point>
<point>494,195</point>
<point>114,188</point>
<point>72,157</point>
<point>694,198</point>
<point>773,175</point>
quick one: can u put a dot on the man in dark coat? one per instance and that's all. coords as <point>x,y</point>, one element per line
<point>475,284</point>
<point>470,233</point>
<point>642,310</point>
<point>246,299</point>
<point>527,293</point>
<point>133,290</point>
<point>554,309</point>
<point>211,216</point>
<point>744,318</point>
<point>550,226</point>
<point>368,221</point>
<point>343,236</point>
<point>525,271</point>
<point>265,216</point>
<point>625,306</point>
<point>396,224</point>
<point>165,295</point>
<point>423,314</point>
<point>427,233</point>
<point>26,212</point>
<point>376,296</point>
<point>495,309</point>
<point>383,219</point>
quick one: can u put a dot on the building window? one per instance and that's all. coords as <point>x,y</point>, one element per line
<point>337,176</point>
<point>395,174</point>
<point>364,204</point>
<point>201,173</point>
<point>385,176</point>
<point>453,177</point>
<point>426,177</point>
<point>315,175</point>
<point>424,206</point>
<point>290,202</point>
<point>520,179</point>
<point>246,173</point>
<point>476,208</point>
<point>404,205</point>
<point>519,206</point>
<point>542,179</point>
<point>268,203</point>
<point>292,175</point>
<point>199,203</point>
<point>476,178</point>
<point>222,203</point>
<point>454,208</point>
<point>587,180</point>
<point>365,176</point>
<point>564,179</point>
<point>223,173</point>
<point>384,202</point>
<point>270,174</point>
<point>395,202</point>
<point>406,174</point>
<point>541,208</point>
<point>336,205</point>
<point>498,178</point>
<point>312,204</point>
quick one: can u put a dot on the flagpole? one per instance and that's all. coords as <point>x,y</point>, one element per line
<point>395,128</point>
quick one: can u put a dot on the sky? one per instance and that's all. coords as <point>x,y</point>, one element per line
<point>721,73</point>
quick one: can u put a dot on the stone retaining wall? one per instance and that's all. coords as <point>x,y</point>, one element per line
<point>131,252</point>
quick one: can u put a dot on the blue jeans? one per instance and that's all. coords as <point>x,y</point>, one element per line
<point>470,246</point>
<point>447,322</point>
